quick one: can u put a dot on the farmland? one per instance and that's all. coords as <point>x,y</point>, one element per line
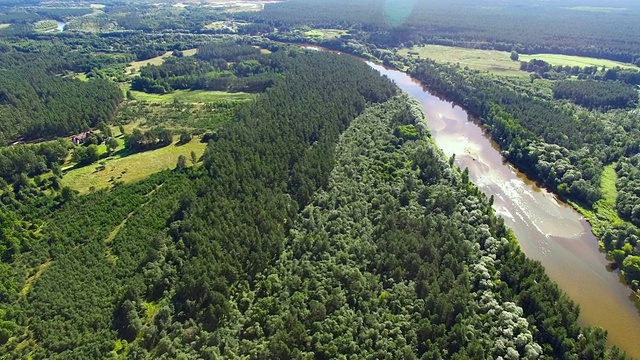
<point>499,62</point>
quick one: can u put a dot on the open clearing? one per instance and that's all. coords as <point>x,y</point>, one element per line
<point>499,62</point>
<point>216,25</point>
<point>238,5</point>
<point>189,52</point>
<point>4,26</point>
<point>566,60</point>
<point>136,65</point>
<point>229,25</point>
<point>158,60</point>
<point>81,76</point>
<point>190,96</point>
<point>604,210</point>
<point>606,207</point>
<point>494,61</point>
<point>132,167</point>
<point>325,33</point>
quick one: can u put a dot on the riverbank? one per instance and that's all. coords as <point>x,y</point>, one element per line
<point>547,229</point>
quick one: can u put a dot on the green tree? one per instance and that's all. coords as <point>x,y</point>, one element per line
<point>182,162</point>
<point>185,137</point>
<point>112,144</point>
<point>85,155</point>
<point>67,193</point>
<point>631,267</point>
<point>514,55</point>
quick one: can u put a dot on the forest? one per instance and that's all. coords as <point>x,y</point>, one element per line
<point>209,70</point>
<point>291,225</point>
<point>601,95</point>
<point>529,28</point>
<point>34,104</point>
<point>320,220</point>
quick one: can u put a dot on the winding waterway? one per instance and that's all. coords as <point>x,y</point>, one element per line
<point>547,229</point>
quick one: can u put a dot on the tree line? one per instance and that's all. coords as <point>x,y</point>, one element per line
<point>473,24</point>
<point>272,158</point>
<point>548,71</point>
<point>602,95</point>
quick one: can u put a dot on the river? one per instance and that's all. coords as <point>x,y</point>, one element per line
<point>547,229</point>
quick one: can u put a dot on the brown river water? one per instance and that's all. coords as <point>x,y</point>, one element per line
<point>548,230</point>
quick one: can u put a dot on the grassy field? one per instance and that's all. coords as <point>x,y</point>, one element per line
<point>128,129</point>
<point>229,25</point>
<point>4,26</point>
<point>130,168</point>
<point>216,25</point>
<point>243,7</point>
<point>81,76</point>
<point>604,210</point>
<point>235,5</point>
<point>136,65</point>
<point>191,96</point>
<point>45,25</point>
<point>499,62</point>
<point>566,60</point>
<point>325,33</point>
<point>606,207</point>
<point>189,52</point>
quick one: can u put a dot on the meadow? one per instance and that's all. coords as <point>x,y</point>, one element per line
<point>135,66</point>
<point>325,34</point>
<point>567,60</point>
<point>190,96</point>
<point>130,168</point>
<point>230,25</point>
<point>499,62</point>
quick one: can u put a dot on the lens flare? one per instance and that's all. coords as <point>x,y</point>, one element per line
<point>397,11</point>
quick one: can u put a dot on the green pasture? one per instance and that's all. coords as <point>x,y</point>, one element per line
<point>499,62</point>
<point>325,33</point>
<point>135,66</point>
<point>190,96</point>
<point>130,168</point>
